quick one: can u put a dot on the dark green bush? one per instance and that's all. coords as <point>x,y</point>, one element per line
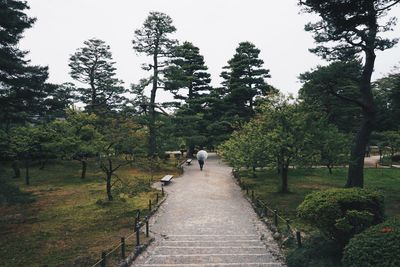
<point>376,246</point>
<point>316,251</point>
<point>341,213</point>
<point>396,158</point>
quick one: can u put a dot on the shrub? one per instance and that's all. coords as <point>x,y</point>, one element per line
<point>341,213</point>
<point>315,252</point>
<point>376,246</point>
<point>396,158</point>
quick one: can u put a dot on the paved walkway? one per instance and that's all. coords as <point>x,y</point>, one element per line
<point>205,221</point>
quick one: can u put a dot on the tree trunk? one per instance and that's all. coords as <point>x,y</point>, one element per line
<point>329,168</point>
<point>27,182</point>
<point>152,122</point>
<point>355,176</point>
<point>84,167</point>
<point>284,178</point>
<point>190,151</point>
<point>108,187</point>
<point>43,164</point>
<point>15,167</point>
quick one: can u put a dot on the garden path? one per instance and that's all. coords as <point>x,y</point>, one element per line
<point>206,221</point>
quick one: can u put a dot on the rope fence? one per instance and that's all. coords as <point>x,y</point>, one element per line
<point>117,253</point>
<point>264,211</point>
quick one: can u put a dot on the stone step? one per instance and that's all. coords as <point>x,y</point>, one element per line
<point>214,243</point>
<point>210,259</point>
<point>173,250</point>
<point>254,264</point>
<point>210,237</point>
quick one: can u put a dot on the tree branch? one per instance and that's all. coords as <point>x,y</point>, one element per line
<point>389,6</point>
<point>355,101</point>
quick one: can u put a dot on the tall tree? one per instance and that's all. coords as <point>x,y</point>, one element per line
<point>93,65</point>
<point>351,27</point>
<point>188,73</point>
<point>21,84</point>
<point>187,78</point>
<point>153,40</point>
<point>321,87</point>
<point>244,80</point>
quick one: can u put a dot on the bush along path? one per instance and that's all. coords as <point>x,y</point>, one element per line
<point>206,221</point>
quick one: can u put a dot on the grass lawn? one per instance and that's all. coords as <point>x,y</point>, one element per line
<point>305,181</point>
<point>70,218</point>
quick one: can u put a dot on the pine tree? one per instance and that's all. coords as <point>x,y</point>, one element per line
<point>188,80</point>
<point>347,28</point>
<point>187,72</point>
<point>153,40</point>
<point>244,80</point>
<point>21,85</point>
<point>93,65</point>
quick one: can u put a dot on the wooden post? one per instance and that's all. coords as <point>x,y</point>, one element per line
<point>147,227</point>
<point>103,259</point>
<point>298,237</point>
<point>162,189</point>
<point>252,195</point>
<point>276,218</point>
<point>247,190</point>
<point>157,198</point>
<point>137,235</point>
<point>149,204</point>
<point>137,218</point>
<point>138,215</point>
<point>265,211</point>
<point>123,247</point>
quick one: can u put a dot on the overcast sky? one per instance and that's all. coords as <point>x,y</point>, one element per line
<point>215,26</point>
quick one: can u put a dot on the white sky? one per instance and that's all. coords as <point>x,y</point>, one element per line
<point>215,26</point>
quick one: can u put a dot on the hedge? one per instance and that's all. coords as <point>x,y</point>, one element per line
<point>341,213</point>
<point>376,246</point>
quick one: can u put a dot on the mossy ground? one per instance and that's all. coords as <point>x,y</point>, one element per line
<point>70,218</point>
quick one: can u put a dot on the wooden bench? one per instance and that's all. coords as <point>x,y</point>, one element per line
<point>189,161</point>
<point>166,179</point>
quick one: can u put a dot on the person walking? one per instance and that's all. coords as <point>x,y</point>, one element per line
<point>201,158</point>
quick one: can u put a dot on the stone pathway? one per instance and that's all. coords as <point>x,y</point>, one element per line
<point>206,221</point>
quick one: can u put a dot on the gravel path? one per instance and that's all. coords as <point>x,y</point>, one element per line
<point>206,221</point>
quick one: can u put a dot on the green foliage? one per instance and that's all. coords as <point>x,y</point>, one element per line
<point>387,96</point>
<point>246,147</point>
<point>187,72</point>
<point>188,80</point>
<point>24,95</point>
<point>345,26</point>
<point>93,65</point>
<point>341,213</point>
<point>347,29</point>
<point>283,133</point>
<point>153,39</point>
<point>329,145</point>
<point>377,246</point>
<point>325,88</point>
<point>244,80</point>
<point>76,136</point>
<point>315,252</point>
